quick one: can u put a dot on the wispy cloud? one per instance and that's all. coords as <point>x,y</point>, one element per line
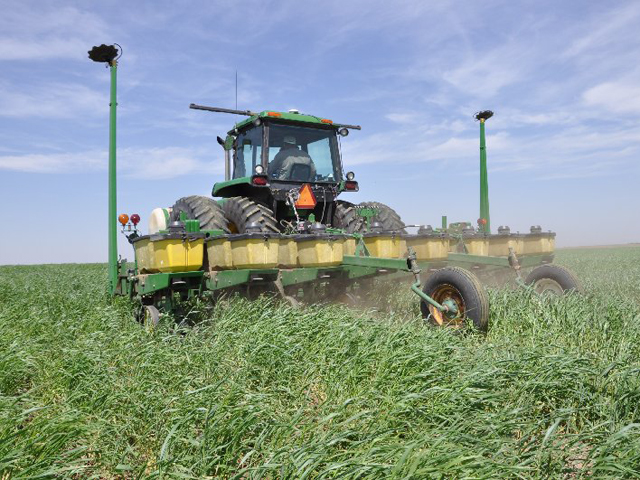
<point>54,100</point>
<point>48,31</point>
<point>139,163</point>
<point>617,97</point>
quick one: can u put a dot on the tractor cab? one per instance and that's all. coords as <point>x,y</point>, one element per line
<point>271,155</point>
<point>288,153</point>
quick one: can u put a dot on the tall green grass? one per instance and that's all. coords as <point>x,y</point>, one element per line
<point>257,389</point>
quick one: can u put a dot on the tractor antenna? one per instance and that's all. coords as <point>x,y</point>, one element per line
<point>236,89</point>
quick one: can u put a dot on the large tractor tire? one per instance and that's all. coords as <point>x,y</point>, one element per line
<point>387,216</point>
<point>241,212</point>
<point>204,209</point>
<point>553,280</point>
<point>457,286</point>
<point>346,217</point>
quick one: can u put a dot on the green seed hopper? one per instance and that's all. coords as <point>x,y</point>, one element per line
<point>184,260</point>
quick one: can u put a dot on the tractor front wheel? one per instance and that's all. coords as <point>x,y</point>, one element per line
<point>553,280</point>
<point>461,291</point>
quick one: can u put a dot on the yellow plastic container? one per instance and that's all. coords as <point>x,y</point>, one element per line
<point>517,240</point>
<point>350,244</point>
<point>219,254</point>
<point>477,244</point>
<point>538,243</point>
<point>385,246</point>
<point>287,252</point>
<point>255,250</point>
<point>499,245</point>
<point>143,249</point>
<point>428,247</point>
<point>320,250</point>
<point>169,253</point>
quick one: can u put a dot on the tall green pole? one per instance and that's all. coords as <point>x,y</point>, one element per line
<point>109,54</point>
<point>484,181</point>
<point>113,225</point>
<point>484,222</point>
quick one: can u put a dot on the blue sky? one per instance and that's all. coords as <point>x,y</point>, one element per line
<point>562,77</point>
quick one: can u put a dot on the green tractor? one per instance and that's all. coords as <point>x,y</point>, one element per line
<point>284,173</point>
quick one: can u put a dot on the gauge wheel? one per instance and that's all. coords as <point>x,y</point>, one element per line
<point>553,280</point>
<point>148,316</point>
<point>459,290</point>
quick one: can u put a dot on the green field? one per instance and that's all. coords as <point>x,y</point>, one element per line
<point>262,390</point>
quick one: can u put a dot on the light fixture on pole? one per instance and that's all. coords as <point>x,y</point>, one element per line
<point>109,54</point>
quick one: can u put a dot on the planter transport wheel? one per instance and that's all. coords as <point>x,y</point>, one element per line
<point>460,290</point>
<point>553,280</point>
<point>204,209</point>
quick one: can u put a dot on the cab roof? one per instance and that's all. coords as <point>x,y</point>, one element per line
<point>286,117</point>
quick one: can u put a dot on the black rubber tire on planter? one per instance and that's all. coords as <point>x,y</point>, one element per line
<point>464,288</point>
<point>148,316</point>
<point>241,211</point>
<point>346,218</point>
<point>387,216</point>
<point>205,209</point>
<point>553,279</point>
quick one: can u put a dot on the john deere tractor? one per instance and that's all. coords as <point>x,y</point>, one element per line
<point>283,173</point>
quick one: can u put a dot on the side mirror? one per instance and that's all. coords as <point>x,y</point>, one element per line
<point>220,141</point>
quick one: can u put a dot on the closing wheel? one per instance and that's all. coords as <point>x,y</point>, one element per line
<point>240,212</point>
<point>149,316</point>
<point>204,209</point>
<point>461,291</point>
<point>553,280</point>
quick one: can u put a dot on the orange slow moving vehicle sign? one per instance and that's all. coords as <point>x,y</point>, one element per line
<point>306,199</point>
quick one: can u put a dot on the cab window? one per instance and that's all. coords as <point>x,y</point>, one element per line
<point>302,154</point>
<point>248,152</point>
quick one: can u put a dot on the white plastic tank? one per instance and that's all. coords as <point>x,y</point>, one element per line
<point>159,219</point>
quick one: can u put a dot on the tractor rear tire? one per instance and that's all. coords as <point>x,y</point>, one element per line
<point>387,216</point>
<point>346,218</point>
<point>204,209</point>
<point>240,212</point>
<point>462,288</point>
<point>553,279</point>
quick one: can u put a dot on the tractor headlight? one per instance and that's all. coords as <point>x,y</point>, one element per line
<point>351,176</point>
<point>343,132</point>
<point>259,169</point>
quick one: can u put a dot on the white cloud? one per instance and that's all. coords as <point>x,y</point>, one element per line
<point>140,163</point>
<point>51,101</point>
<point>617,97</point>
<point>37,32</point>
<point>602,31</point>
